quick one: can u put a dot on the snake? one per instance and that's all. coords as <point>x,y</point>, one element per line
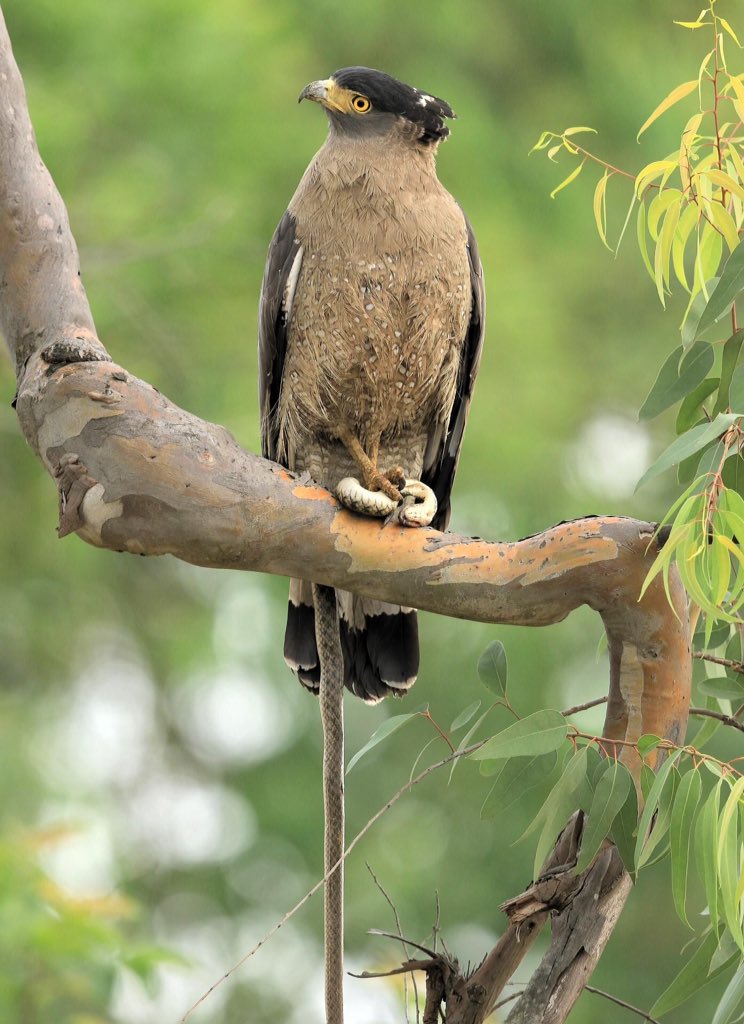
<point>417,508</point>
<point>332,719</point>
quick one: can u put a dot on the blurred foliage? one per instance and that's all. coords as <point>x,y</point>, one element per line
<point>147,702</point>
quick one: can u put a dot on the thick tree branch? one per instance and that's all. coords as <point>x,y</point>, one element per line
<point>135,473</point>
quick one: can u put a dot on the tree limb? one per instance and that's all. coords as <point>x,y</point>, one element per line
<point>135,473</point>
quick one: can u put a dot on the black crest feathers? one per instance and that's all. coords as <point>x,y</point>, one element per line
<point>388,94</point>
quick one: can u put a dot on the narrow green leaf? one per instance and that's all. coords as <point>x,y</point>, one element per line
<point>731,999</point>
<point>624,827</point>
<point>464,717</point>
<point>388,727</point>
<point>722,687</point>
<point>543,142</point>
<point>674,96</point>
<point>727,28</point>
<point>690,979</point>
<point>687,222</point>
<point>728,862</point>
<point>493,668</point>
<point>649,173</point>
<point>624,228</point>
<point>695,309</point>
<point>641,236</point>
<point>681,374</point>
<point>729,286</point>
<point>538,733</point>
<point>729,360</point>
<point>664,248</point>
<point>685,805</point>
<point>661,822</point>
<point>691,409</point>
<point>724,181</point>
<point>706,849</point>
<point>736,391</point>
<point>647,743</point>
<point>567,181</point>
<point>725,224</point>
<point>610,794</point>
<point>693,441</point>
<point>653,800</point>
<point>719,636</point>
<point>515,777</point>
<point>465,741</point>
<point>562,803</point>
<point>600,208</point>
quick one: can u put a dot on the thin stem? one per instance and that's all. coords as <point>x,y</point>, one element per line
<point>621,1002</point>
<point>737,666</point>
<point>321,882</point>
<point>442,733</point>
<point>394,909</point>
<point>719,716</point>
<point>583,707</point>
<point>603,163</point>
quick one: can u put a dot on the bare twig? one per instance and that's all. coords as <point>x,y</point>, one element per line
<point>621,1002</point>
<point>719,715</point>
<point>584,707</point>
<point>507,999</point>
<point>399,938</point>
<point>321,882</point>
<point>437,915</point>
<point>394,909</point>
<point>737,666</point>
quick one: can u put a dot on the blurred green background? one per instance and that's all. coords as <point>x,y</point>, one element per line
<point>160,778</point>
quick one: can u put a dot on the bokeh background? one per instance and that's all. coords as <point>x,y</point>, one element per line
<point>159,766</point>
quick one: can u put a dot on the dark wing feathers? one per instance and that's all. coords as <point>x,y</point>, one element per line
<point>282,269</point>
<point>380,656</point>
<point>443,450</point>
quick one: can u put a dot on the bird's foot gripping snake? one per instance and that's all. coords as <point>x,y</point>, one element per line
<point>418,507</point>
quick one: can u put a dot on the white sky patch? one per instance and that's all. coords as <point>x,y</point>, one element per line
<point>243,622</point>
<point>179,819</point>
<point>610,455</point>
<point>232,717</point>
<point>107,731</point>
<point>177,988</point>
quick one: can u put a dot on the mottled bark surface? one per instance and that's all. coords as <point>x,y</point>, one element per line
<point>137,474</point>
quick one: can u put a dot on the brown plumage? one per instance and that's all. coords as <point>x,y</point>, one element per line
<point>370,335</point>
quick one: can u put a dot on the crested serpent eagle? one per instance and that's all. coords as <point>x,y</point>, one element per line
<point>370,332</point>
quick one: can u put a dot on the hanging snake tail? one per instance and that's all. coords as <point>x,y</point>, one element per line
<point>379,642</point>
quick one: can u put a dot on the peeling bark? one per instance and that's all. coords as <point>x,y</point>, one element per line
<point>137,474</point>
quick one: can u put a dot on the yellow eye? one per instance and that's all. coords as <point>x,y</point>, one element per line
<point>361,104</point>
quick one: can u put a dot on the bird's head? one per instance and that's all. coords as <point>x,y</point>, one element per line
<point>363,102</point>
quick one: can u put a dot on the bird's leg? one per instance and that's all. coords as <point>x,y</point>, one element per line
<point>388,494</point>
<point>372,478</point>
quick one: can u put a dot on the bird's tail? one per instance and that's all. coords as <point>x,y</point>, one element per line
<point>379,643</point>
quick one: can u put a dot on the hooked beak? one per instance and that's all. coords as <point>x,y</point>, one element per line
<point>315,91</point>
